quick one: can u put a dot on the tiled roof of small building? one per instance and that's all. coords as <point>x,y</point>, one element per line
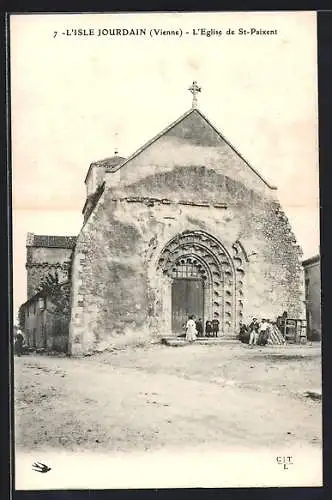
<point>48,241</point>
<point>112,160</point>
<point>109,163</point>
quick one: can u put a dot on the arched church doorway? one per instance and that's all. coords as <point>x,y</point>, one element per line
<point>188,279</point>
<point>200,279</point>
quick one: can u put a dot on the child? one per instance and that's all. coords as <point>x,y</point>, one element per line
<point>208,328</point>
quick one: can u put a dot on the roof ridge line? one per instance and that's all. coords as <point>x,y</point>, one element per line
<point>271,186</point>
<point>155,138</point>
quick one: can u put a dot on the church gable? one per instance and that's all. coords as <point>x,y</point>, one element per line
<point>195,129</point>
<point>189,143</point>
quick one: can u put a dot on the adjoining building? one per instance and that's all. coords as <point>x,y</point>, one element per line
<point>185,225</point>
<point>45,316</point>
<point>313,297</point>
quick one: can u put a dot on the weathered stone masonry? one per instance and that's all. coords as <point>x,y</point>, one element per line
<point>47,255</point>
<point>187,195</point>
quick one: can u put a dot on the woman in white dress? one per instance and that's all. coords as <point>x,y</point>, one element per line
<point>191,331</point>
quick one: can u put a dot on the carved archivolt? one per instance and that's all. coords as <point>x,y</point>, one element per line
<point>240,260</point>
<point>201,255</point>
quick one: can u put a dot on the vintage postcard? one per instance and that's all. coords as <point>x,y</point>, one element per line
<point>166,250</point>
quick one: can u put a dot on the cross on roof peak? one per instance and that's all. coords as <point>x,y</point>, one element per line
<point>194,89</point>
<point>116,150</point>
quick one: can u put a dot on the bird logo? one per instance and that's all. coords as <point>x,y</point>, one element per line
<point>39,467</point>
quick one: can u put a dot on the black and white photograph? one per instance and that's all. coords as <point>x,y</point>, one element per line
<point>166,250</point>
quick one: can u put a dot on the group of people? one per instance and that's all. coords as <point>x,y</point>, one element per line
<point>257,333</point>
<point>195,328</point>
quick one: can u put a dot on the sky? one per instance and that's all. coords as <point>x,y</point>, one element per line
<point>75,99</point>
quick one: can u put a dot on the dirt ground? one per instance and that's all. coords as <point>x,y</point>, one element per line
<point>156,397</point>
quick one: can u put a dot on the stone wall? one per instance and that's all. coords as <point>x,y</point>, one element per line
<point>313,299</point>
<point>116,287</point>
<point>44,261</point>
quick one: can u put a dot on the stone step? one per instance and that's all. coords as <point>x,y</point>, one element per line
<point>178,341</point>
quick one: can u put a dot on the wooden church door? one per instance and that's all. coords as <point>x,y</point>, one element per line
<point>187,299</point>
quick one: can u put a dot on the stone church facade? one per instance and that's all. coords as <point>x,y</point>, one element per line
<point>183,226</point>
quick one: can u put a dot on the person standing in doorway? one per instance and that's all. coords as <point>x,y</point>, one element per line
<point>199,327</point>
<point>191,331</point>
<point>208,328</point>
<point>215,327</point>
